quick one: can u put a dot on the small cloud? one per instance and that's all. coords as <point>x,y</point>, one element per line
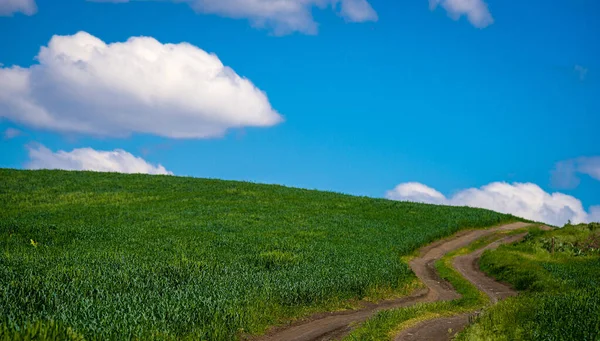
<point>10,7</point>
<point>417,192</point>
<point>90,159</point>
<point>358,11</point>
<point>565,174</point>
<point>581,71</point>
<point>476,11</point>
<point>525,200</point>
<point>280,16</point>
<point>11,133</point>
<point>589,166</point>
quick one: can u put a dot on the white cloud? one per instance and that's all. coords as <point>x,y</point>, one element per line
<point>525,200</point>
<point>565,173</point>
<point>589,166</point>
<point>84,85</point>
<point>417,192</point>
<point>89,159</point>
<point>282,16</point>
<point>10,7</point>
<point>11,133</point>
<point>477,11</point>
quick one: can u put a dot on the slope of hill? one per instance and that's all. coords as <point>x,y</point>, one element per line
<point>118,256</point>
<point>559,274</point>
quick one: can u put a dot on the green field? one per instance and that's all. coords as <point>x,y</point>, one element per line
<point>561,298</point>
<point>112,256</point>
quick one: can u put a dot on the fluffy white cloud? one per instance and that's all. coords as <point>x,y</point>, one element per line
<point>477,11</point>
<point>417,192</point>
<point>565,173</point>
<point>282,16</point>
<point>525,200</point>
<point>89,159</point>
<point>84,85</point>
<point>9,7</point>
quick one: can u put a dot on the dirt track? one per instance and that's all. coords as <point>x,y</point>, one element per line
<point>445,328</point>
<point>333,326</point>
<point>468,267</point>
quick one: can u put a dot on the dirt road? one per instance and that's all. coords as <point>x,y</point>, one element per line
<point>445,328</point>
<point>334,326</point>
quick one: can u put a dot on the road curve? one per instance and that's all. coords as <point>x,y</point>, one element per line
<point>333,326</point>
<point>445,328</point>
<point>468,267</point>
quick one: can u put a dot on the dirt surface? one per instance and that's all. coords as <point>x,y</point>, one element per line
<point>333,326</point>
<point>446,328</point>
<point>468,267</point>
<point>440,329</point>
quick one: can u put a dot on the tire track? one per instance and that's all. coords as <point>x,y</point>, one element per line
<point>445,328</point>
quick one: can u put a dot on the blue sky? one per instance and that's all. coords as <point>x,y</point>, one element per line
<point>395,92</point>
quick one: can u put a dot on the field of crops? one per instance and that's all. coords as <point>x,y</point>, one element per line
<point>560,273</point>
<point>112,256</point>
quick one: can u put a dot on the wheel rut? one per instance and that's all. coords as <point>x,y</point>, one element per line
<point>335,325</point>
<point>445,328</point>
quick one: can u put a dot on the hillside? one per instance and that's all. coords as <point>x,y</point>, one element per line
<point>558,273</point>
<point>104,255</point>
<point>541,284</point>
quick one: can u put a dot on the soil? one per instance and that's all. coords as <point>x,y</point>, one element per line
<point>468,267</point>
<point>439,329</point>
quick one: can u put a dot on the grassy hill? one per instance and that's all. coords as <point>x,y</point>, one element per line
<point>112,256</point>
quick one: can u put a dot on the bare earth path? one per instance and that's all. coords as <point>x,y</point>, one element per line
<point>445,328</point>
<point>333,326</point>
